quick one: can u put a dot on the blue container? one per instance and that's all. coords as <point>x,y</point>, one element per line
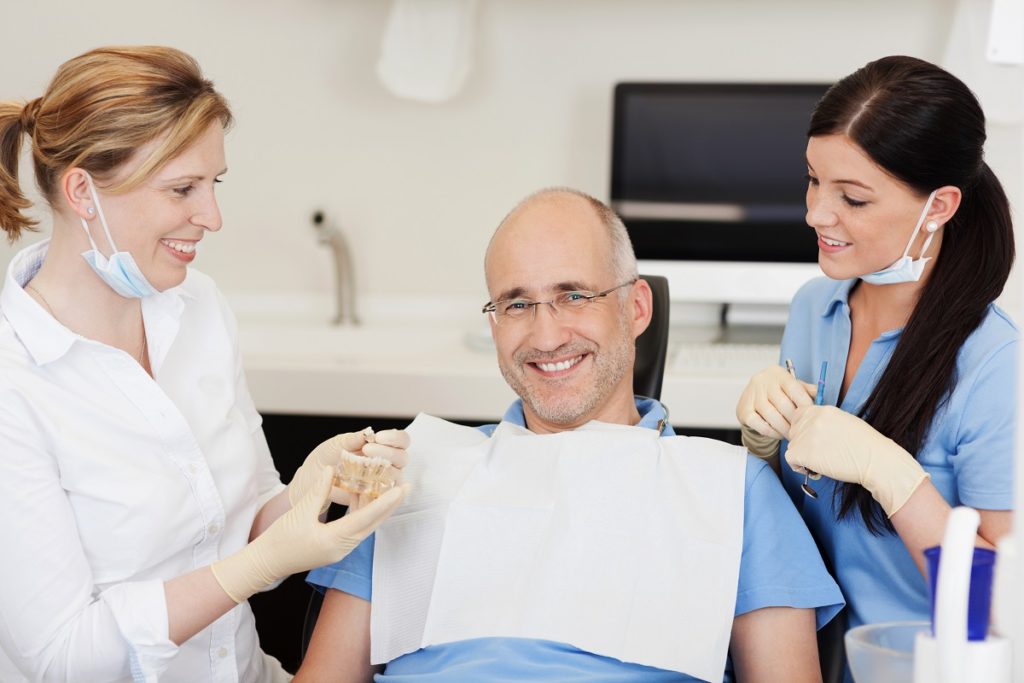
<point>979,599</point>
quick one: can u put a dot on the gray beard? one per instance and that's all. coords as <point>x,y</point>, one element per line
<point>610,366</point>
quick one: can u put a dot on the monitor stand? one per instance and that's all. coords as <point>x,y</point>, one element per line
<point>752,323</point>
<point>722,323</point>
<point>750,334</point>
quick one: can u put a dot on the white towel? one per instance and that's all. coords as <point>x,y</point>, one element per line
<point>521,535</point>
<point>427,49</point>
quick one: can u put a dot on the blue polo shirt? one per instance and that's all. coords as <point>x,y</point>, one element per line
<point>779,567</point>
<point>968,450</point>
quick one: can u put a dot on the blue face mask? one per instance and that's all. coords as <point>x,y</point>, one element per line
<point>907,269</point>
<point>119,271</point>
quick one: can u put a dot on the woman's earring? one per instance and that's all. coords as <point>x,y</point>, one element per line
<point>930,226</point>
<point>89,210</point>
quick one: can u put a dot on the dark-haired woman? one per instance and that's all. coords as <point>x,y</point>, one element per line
<point>915,237</point>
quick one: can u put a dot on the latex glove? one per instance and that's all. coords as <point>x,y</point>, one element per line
<point>298,541</point>
<point>390,444</point>
<point>844,447</point>
<point>766,407</point>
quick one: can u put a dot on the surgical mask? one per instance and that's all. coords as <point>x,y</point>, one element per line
<point>119,271</point>
<point>906,269</point>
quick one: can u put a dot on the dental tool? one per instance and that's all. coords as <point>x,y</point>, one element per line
<point>819,399</point>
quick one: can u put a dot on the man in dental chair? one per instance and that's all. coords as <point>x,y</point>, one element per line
<point>580,539</point>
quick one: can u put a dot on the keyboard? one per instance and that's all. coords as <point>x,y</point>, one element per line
<point>726,360</point>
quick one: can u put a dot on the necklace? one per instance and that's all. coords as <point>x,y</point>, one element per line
<point>42,299</point>
<point>140,358</point>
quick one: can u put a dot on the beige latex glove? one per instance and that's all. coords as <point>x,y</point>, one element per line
<point>298,541</point>
<point>844,447</point>
<point>766,407</point>
<point>390,444</point>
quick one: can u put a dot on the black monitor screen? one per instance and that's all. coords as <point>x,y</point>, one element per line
<point>713,172</point>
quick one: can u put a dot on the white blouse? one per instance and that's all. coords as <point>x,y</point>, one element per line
<point>112,481</point>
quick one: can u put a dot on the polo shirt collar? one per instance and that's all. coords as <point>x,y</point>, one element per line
<point>652,412</point>
<point>840,296</point>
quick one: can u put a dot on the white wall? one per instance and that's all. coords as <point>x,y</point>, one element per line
<point>420,187</point>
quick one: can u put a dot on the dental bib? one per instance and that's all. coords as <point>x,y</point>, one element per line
<point>609,538</point>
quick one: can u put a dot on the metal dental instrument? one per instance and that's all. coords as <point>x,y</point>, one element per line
<point>819,399</point>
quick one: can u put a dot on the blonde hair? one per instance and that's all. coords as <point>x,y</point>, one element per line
<point>100,108</point>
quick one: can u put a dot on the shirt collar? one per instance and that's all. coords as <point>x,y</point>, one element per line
<point>44,337</point>
<point>840,296</point>
<point>652,413</point>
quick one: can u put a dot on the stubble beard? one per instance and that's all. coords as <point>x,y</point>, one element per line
<point>565,405</point>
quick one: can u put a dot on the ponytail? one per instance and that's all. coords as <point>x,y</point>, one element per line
<point>969,273</point>
<point>15,121</point>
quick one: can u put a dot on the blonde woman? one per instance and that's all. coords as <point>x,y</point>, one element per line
<point>140,504</point>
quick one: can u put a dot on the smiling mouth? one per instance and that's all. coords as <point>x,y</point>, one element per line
<point>182,247</point>
<point>558,366</point>
<point>832,242</point>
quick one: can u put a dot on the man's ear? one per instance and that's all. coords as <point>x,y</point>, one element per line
<point>641,306</point>
<point>74,191</point>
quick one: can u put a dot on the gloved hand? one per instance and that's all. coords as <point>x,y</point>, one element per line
<point>298,541</point>
<point>766,407</point>
<point>844,447</point>
<point>390,444</point>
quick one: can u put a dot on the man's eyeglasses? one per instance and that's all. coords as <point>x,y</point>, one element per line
<point>511,311</point>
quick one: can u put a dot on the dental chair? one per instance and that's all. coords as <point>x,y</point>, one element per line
<point>648,372</point>
<point>652,345</point>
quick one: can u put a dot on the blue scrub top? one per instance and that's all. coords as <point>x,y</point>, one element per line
<point>779,567</point>
<point>968,450</point>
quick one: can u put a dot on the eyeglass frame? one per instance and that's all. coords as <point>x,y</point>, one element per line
<point>491,307</point>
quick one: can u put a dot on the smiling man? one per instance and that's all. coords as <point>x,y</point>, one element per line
<point>571,362</point>
<point>580,539</point>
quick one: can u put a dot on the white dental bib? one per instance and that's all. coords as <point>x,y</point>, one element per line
<point>609,538</point>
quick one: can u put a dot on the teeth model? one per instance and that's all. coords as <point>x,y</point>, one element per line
<point>361,475</point>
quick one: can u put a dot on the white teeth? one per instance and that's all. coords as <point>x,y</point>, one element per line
<point>833,243</point>
<point>560,365</point>
<point>183,247</point>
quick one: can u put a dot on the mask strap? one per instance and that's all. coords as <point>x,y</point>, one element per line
<point>917,229</point>
<point>103,219</point>
<point>927,243</point>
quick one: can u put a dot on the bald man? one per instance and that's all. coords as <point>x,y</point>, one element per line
<point>566,306</point>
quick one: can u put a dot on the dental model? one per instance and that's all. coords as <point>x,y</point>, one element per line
<point>364,475</point>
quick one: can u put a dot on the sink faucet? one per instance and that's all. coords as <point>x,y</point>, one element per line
<point>344,278</point>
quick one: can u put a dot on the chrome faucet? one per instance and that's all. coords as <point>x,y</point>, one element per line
<point>344,278</point>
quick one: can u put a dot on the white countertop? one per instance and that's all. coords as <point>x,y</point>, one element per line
<point>405,363</point>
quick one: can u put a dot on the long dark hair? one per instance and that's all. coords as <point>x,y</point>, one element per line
<point>925,128</point>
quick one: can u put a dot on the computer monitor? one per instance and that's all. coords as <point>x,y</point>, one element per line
<point>709,180</point>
